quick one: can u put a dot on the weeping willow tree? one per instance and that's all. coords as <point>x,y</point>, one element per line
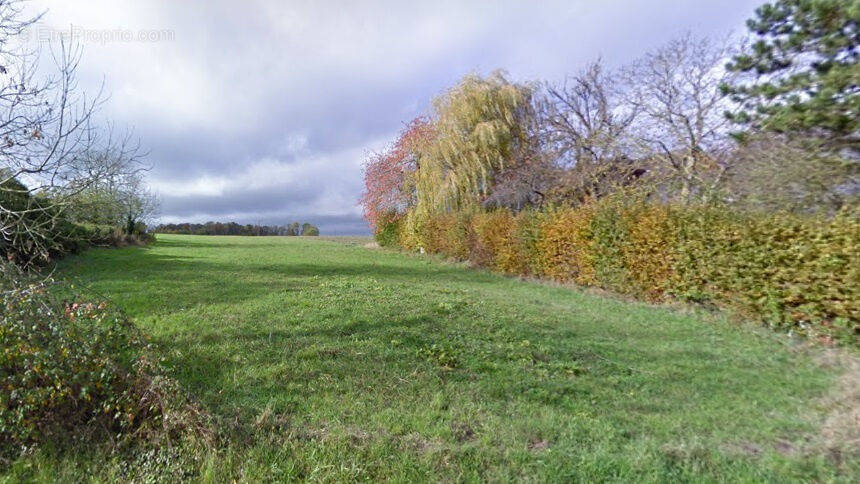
<point>482,127</point>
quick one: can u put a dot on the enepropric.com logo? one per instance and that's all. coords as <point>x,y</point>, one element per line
<point>82,35</point>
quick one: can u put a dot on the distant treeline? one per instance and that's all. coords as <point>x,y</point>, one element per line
<point>232,228</point>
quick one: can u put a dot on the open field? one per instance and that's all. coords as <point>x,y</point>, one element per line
<point>338,362</point>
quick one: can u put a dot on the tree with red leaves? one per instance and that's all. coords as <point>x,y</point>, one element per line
<point>387,188</point>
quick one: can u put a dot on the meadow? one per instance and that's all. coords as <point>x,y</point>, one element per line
<point>326,360</point>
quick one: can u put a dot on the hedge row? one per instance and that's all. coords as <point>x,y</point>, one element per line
<point>72,372</point>
<point>68,238</point>
<point>791,272</point>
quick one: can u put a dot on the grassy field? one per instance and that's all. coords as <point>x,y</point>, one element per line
<point>338,362</point>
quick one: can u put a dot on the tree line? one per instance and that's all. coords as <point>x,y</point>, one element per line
<point>233,228</point>
<point>766,124</point>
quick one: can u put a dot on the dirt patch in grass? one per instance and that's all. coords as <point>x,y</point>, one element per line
<point>838,435</point>
<point>463,432</point>
<point>840,432</point>
<point>538,445</point>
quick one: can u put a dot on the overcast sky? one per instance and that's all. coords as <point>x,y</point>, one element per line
<point>262,111</point>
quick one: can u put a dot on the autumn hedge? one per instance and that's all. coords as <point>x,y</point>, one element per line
<point>791,272</point>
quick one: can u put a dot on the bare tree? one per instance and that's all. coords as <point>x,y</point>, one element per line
<point>585,120</point>
<point>524,183</point>
<point>682,123</point>
<point>586,130</point>
<point>139,204</point>
<point>50,146</point>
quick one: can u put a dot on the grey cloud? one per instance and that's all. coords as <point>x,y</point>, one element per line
<point>267,200</point>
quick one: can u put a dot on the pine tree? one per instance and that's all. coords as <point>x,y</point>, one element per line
<point>806,79</point>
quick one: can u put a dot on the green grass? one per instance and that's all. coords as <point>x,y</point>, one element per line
<point>338,362</point>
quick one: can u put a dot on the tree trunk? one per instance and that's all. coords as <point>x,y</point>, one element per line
<point>687,166</point>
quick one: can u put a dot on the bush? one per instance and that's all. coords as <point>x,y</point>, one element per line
<point>72,371</point>
<point>493,241</point>
<point>431,235</point>
<point>609,233</point>
<point>387,232</point>
<point>56,235</point>
<point>407,232</point>
<point>791,271</point>
<point>565,245</point>
<point>648,250</point>
<point>448,234</point>
<point>511,252</point>
<point>526,236</point>
<point>42,230</point>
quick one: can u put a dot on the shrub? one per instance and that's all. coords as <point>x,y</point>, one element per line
<point>447,233</point>
<point>407,232</point>
<point>34,228</point>
<point>609,232</point>
<point>648,251</point>
<point>564,245</point>
<point>791,271</point>
<point>458,235</point>
<point>527,233</point>
<point>432,236</point>
<point>387,230</point>
<point>492,239</point>
<point>509,257</point>
<point>74,370</point>
<point>56,235</point>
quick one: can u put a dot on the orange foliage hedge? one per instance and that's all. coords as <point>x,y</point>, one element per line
<point>649,251</point>
<point>493,243</point>
<point>564,245</point>
<point>789,271</point>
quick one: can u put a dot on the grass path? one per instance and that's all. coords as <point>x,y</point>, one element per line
<point>349,363</point>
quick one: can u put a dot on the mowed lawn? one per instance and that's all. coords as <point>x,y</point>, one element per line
<point>340,362</point>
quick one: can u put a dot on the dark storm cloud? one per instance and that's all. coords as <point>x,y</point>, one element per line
<point>266,200</point>
<point>263,113</point>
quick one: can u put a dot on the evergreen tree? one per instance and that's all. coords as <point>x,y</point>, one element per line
<point>806,76</point>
